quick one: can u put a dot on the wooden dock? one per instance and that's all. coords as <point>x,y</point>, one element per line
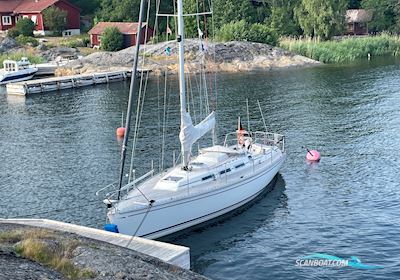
<point>65,82</point>
<point>173,254</point>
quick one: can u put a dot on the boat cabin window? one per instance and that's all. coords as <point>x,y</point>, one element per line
<point>239,165</point>
<point>225,171</point>
<point>173,178</point>
<point>9,67</point>
<point>208,177</point>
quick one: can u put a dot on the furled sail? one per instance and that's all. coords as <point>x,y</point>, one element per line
<point>190,134</point>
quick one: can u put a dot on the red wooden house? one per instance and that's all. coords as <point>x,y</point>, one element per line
<point>12,10</point>
<point>128,29</point>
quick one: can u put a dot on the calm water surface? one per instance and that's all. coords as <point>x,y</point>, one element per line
<point>57,149</point>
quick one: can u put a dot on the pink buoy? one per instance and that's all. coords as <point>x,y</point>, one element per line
<point>120,131</point>
<point>313,155</point>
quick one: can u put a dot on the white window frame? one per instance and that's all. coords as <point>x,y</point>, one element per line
<point>6,22</point>
<point>34,19</point>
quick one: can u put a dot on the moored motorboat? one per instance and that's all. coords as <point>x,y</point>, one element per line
<point>15,71</point>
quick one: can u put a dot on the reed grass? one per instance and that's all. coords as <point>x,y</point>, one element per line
<point>346,49</point>
<point>33,58</point>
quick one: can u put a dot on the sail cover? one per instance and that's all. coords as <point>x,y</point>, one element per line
<point>190,134</point>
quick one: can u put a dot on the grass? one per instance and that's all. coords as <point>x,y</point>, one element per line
<point>35,245</point>
<point>70,41</point>
<point>34,59</point>
<point>347,49</point>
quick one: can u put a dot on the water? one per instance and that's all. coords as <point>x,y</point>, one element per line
<point>57,149</point>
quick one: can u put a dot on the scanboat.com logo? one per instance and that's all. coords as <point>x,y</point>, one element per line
<point>316,260</point>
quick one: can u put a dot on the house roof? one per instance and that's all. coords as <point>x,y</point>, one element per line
<point>8,6</point>
<point>28,6</point>
<point>123,27</point>
<point>358,15</point>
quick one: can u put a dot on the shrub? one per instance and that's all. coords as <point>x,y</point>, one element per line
<point>233,31</point>
<point>243,31</point>
<point>13,33</point>
<point>25,26</point>
<point>262,34</point>
<point>25,40</point>
<point>112,39</point>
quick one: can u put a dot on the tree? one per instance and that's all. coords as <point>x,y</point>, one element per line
<point>88,7</point>
<point>384,14</point>
<point>25,26</point>
<point>282,19</point>
<point>321,18</point>
<point>354,4</point>
<point>112,39</point>
<point>55,19</point>
<point>226,11</point>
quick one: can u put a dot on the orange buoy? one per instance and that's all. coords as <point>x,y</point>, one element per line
<point>120,131</point>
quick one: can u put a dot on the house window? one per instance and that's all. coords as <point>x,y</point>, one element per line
<point>6,20</point>
<point>34,19</point>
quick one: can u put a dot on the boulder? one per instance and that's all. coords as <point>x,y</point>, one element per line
<point>8,44</point>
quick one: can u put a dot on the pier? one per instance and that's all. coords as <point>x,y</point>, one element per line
<point>66,82</point>
<point>169,253</point>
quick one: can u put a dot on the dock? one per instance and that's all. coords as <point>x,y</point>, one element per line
<point>169,253</point>
<point>65,82</point>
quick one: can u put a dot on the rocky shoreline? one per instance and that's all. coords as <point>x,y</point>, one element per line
<point>25,251</point>
<point>222,57</point>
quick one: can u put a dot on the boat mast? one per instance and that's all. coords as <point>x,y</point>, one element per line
<point>182,86</point>
<point>132,90</point>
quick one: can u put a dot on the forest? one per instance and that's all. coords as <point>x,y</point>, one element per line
<point>255,20</point>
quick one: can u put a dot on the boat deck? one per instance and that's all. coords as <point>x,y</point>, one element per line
<point>203,177</point>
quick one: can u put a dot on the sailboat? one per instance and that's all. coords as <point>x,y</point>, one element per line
<point>218,180</point>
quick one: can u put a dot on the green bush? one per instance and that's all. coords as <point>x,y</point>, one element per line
<point>13,33</point>
<point>233,31</point>
<point>25,40</point>
<point>112,39</point>
<point>243,31</point>
<point>262,34</point>
<point>25,26</point>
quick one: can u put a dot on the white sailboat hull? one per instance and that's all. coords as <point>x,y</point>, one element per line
<point>167,218</point>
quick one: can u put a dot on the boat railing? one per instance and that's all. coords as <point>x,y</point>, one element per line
<point>113,186</point>
<point>266,138</point>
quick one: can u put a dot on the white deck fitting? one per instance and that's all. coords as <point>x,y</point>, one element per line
<point>67,82</point>
<point>172,254</point>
